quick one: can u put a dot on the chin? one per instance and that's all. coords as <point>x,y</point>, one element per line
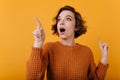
<point>63,37</point>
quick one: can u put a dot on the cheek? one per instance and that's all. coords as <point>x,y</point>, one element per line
<point>57,27</point>
<point>58,31</point>
<point>71,27</point>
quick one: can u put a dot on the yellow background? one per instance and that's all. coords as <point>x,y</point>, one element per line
<point>17,24</point>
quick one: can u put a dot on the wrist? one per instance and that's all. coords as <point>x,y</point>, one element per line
<point>38,44</point>
<point>104,60</point>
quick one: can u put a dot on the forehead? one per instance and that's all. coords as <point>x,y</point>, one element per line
<point>66,13</point>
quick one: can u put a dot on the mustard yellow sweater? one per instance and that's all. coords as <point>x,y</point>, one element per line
<point>64,62</point>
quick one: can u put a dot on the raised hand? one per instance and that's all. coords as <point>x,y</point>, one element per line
<point>104,51</point>
<point>38,34</point>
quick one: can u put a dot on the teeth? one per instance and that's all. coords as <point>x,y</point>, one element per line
<point>62,30</point>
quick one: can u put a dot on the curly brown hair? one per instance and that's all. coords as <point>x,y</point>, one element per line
<point>81,28</point>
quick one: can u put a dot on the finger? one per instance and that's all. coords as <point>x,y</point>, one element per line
<point>36,34</point>
<point>106,46</point>
<point>37,21</point>
<point>100,42</point>
<point>39,28</point>
<point>36,31</point>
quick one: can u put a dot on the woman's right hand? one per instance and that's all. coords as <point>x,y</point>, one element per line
<point>38,34</point>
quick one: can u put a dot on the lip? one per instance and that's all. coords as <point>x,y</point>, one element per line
<point>61,32</point>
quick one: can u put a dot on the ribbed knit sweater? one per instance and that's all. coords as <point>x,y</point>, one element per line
<point>64,62</point>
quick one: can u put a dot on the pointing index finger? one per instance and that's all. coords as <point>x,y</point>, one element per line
<point>37,21</point>
<point>99,41</point>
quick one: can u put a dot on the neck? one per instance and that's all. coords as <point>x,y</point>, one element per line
<point>69,42</point>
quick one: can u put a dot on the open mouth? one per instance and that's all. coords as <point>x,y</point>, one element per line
<point>62,30</point>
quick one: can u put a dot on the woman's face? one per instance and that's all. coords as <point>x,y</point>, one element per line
<point>66,24</point>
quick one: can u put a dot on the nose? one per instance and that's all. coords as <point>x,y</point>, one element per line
<point>62,22</point>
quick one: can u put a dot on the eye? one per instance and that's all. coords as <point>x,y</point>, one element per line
<point>58,19</point>
<point>68,19</point>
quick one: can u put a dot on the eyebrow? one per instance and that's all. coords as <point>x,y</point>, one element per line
<point>66,16</point>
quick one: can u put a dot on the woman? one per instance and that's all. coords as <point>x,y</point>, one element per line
<point>65,59</point>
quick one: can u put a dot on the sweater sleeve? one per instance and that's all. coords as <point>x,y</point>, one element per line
<point>37,64</point>
<point>99,72</point>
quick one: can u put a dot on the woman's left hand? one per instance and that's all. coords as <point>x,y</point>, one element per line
<point>104,51</point>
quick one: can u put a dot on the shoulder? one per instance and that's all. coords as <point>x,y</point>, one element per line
<point>87,50</point>
<point>49,44</point>
<point>84,47</point>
